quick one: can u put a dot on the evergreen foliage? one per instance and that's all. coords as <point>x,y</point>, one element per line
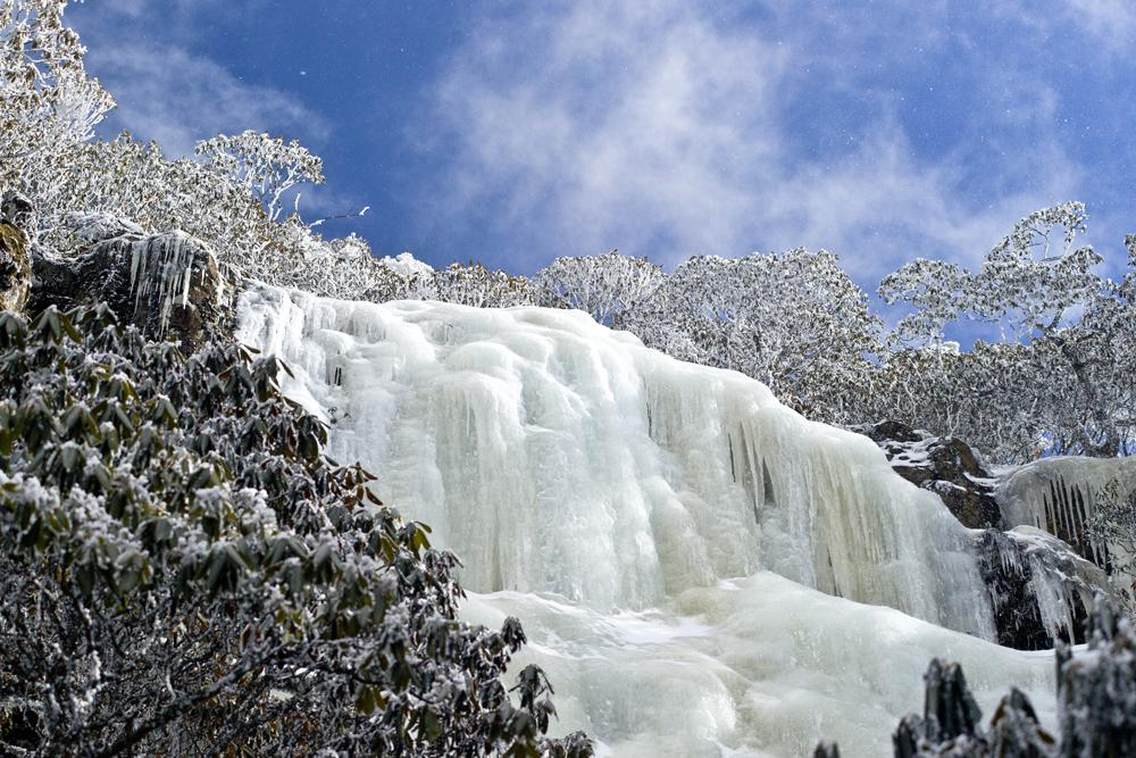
<point>182,570</point>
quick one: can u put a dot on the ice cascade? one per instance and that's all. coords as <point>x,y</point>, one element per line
<point>662,528</point>
<point>553,454</point>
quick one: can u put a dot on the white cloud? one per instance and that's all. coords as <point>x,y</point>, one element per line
<point>1110,24</point>
<point>177,98</point>
<point>1113,21</point>
<point>661,129</point>
<point>168,93</point>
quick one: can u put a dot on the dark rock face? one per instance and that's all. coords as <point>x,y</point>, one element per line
<point>168,285</point>
<point>944,465</point>
<point>951,724</point>
<point>1007,575</point>
<point>1041,590</point>
<point>950,715</point>
<point>15,266</point>
<point>826,750</point>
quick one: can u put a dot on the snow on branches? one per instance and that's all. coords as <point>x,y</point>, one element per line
<point>793,320</point>
<point>264,165</point>
<point>47,101</point>
<point>604,286</point>
<point>1065,332</point>
<point>1059,379</point>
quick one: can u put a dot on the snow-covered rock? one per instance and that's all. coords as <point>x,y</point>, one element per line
<point>87,228</point>
<point>1041,590</point>
<point>1097,688</point>
<point>946,466</point>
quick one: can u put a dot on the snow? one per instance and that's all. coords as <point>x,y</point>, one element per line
<point>91,227</point>
<point>661,528</point>
<point>407,265</point>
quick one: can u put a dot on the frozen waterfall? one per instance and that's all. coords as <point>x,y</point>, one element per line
<point>660,527</point>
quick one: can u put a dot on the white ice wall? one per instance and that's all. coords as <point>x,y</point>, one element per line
<point>759,666</point>
<point>657,526</point>
<point>553,454</point>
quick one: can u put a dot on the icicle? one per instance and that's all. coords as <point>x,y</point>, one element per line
<point>188,276</point>
<point>137,261</point>
<point>1059,496</point>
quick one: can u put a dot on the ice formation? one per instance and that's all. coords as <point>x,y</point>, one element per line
<point>1060,496</point>
<point>661,528</point>
<point>162,270</point>
<point>1042,590</point>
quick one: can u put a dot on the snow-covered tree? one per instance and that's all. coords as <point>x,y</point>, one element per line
<point>1033,279</point>
<point>606,286</point>
<point>47,101</point>
<point>793,320</point>
<point>266,166</point>
<point>1063,326</point>
<point>475,285</point>
<point>1113,523</point>
<point>934,289</point>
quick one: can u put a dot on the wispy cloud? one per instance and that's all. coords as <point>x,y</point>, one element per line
<point>1113,21</point>
<point>177,98</point>
<point>662,127</point>
<point>167,92</point>
<point>1107,23</point>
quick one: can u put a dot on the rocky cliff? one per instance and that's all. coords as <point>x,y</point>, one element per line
<point>1041,581</point>
<point>167,284</point>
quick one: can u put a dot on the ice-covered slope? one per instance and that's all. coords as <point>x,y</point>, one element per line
<point>752,667</point>
<point>557,456</point>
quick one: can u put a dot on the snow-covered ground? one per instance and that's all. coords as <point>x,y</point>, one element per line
<point>684,551</point>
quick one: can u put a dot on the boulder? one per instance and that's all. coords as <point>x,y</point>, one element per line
<point>169,284</point>
<point>946,466</point>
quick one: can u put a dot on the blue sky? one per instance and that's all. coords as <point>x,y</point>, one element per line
<point>514,132</point>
